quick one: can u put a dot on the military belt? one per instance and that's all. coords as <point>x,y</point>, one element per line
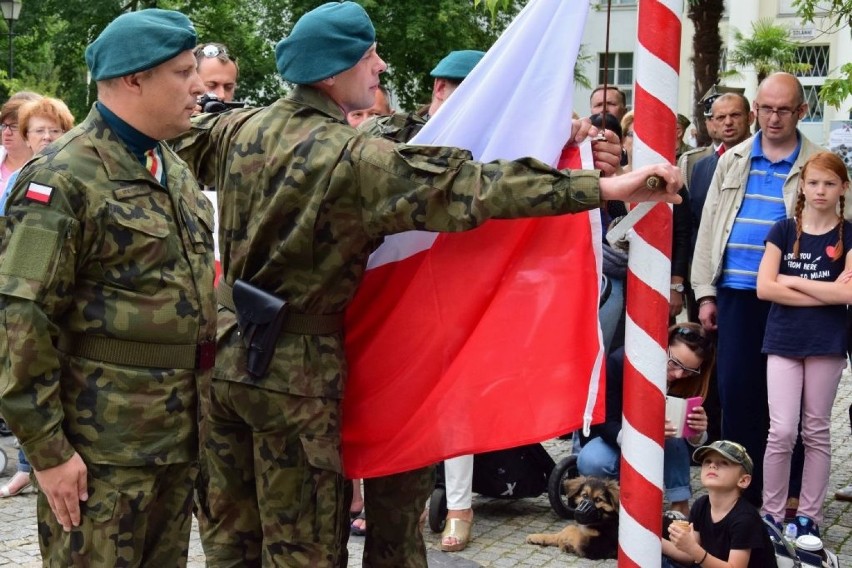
<point>304,324</point>
<point>201,356</point>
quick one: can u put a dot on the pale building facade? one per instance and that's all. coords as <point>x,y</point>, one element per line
<point>826,51</point>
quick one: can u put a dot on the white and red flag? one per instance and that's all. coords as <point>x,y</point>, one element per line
<point>470,342</point>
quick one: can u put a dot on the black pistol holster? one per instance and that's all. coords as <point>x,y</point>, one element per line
<point>260,316</point>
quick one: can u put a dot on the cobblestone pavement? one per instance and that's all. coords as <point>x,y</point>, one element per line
<point>500,526</point>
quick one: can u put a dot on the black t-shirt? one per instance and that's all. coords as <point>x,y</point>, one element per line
<point>741,529</point>
<point>806,331</point>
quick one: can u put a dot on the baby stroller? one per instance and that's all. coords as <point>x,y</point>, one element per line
<point>516,473</point>
<point>789,556</point>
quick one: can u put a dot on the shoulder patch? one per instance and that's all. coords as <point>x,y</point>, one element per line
<point>39,192</point>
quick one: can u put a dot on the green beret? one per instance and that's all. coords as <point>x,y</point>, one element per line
<point>136,41</point>
<point>457,65</point>
<point>324,42</point>
<point>683,121</point>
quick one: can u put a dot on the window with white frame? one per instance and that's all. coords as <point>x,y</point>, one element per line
<point>813,79</point>
<point>617,69</point>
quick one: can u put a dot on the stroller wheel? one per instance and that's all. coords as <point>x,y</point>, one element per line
<point>565,469</point>
<point>3,461</point>
<point>438,509</point>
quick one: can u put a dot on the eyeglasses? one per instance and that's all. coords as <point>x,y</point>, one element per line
<point>211,50</point>
<point>675,364</point>
<point>733,116</point>
<point>766,111</point>
<point>10,127</point>
<point>40,132</point>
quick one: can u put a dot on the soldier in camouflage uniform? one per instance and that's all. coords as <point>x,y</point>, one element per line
<point>394,503</point>
<point>303,200</point>
<point>107,307</point>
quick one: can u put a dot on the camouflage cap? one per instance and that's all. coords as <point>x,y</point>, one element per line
<point>730,450</point>
<point>457,64</point>
<point>714,93</point>
<point>137,41</point>
<point>324,42</point>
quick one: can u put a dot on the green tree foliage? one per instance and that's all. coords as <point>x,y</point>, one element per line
<point>839,13</point>
<point>769,49</point>
<point>51,37</point>
<point>706,55</point>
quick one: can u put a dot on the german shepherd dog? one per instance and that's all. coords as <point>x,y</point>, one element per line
<point>594,534</point>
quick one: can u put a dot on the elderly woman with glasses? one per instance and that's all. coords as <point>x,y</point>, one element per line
<point>691,357</point>
<point>40,122</point>
<point>14,152</point>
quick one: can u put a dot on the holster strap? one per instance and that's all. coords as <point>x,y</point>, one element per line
<point>304,324</point>
<point>138,354</point>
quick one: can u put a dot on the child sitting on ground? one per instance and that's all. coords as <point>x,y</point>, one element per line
<point>725,530</point>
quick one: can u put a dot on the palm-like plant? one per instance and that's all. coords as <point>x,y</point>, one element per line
<point>706,55</point>
<point>766,51</point>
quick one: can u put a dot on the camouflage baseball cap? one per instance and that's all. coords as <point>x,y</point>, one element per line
<point>731,450</point>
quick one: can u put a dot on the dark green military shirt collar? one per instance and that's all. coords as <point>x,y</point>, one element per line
<point>315,98</point>
<point>135,141</point>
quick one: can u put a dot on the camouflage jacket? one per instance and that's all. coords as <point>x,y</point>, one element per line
<point>304,198</point>
<point>112,253</point>
<point>399,126</point>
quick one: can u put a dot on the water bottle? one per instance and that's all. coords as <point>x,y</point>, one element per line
<point>790,533</point>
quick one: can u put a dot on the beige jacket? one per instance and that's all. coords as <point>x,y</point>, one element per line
<point>723,202</point>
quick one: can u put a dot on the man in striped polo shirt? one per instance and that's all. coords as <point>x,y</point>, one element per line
<point>754,186</point>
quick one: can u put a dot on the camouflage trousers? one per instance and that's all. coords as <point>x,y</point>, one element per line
<point>393,506</point>
<point>274,494</point>
<point>134,516</point>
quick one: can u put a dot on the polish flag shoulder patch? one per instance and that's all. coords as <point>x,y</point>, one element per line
<point>39,192</point>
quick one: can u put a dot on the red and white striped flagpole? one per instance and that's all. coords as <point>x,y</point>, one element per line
<point>648,290</point>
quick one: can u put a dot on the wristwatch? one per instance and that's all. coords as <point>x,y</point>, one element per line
<point>678,287</point>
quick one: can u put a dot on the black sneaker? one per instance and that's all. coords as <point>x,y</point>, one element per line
<point>806,525</point>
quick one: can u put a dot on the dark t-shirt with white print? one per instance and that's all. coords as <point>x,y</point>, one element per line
<point>807,331</point>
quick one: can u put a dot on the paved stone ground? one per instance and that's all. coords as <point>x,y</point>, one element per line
<point>500,527</point>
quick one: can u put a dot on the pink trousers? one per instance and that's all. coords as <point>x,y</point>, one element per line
<point>799,387</point>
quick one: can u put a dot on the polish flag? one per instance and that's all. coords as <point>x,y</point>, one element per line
<point>214,200</point>
<point>39,192</point>
<point>471,342</point>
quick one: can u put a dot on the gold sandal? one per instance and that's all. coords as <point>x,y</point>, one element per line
<point>458,529</point>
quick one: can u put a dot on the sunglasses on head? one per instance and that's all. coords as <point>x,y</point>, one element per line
<point>212,50</point>
<point>689,334</point>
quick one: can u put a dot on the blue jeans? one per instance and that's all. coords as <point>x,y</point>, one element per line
<point>23,465</point>
<point>599,459</point>
<point>610,313</point>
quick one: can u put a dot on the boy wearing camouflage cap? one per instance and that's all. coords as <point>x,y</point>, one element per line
<point>303,199</point>
<point>106,298</point>
<point>724,528</point>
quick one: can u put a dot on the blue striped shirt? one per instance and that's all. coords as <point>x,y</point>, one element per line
<point>762,207</point>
